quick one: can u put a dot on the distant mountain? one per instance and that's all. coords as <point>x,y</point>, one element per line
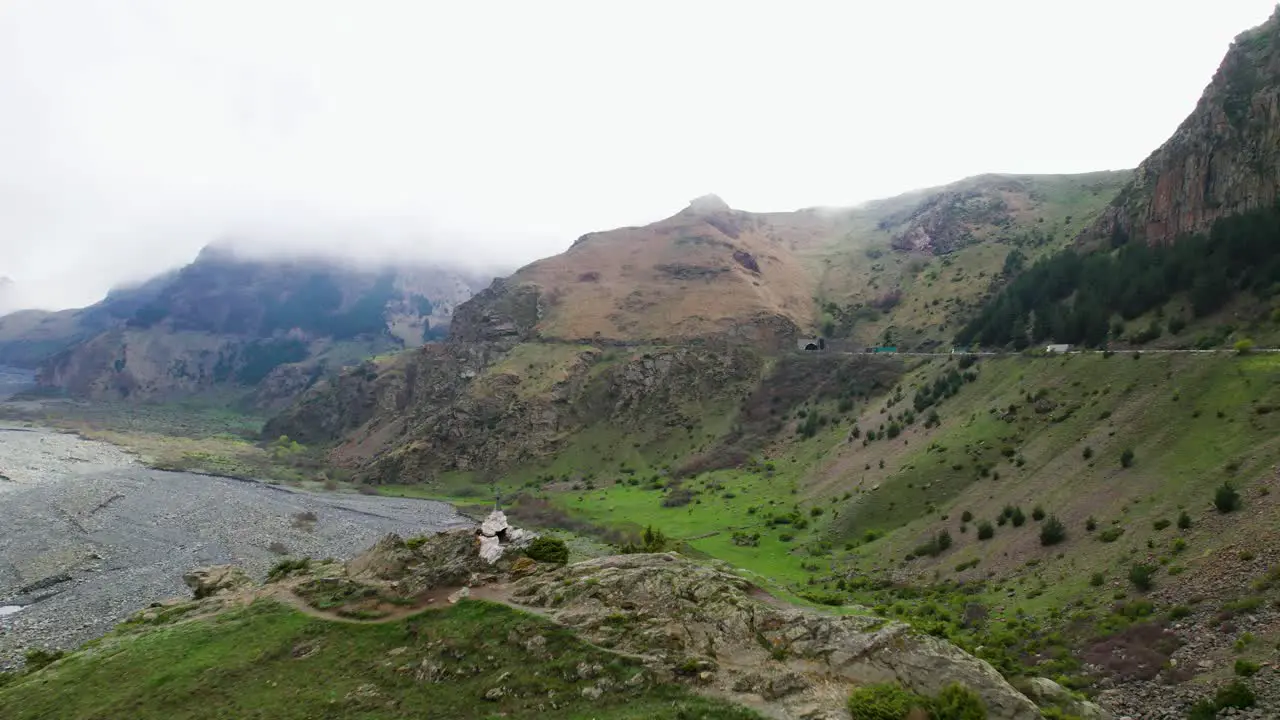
<point>228,322</point>
<point>7,303</point>
<point>901,270</point>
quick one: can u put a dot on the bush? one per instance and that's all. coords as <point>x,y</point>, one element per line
<point>966,516</point>
<point>1097,579</point>
<point>1142,576</point>
<point>1160,524</point>
<point>1126,458</point>
<point>1236,695</point>
<point>1037,513</point>
<point>1111,534</point>
<point>39,658</point>
<point>1090,525</point>
<point>652,540</point>
<point>1184,521</point>
<point>1017,518</point>
<point>1204,709</point>
<point>957,702</point>
<point>1226,498</point>
<point>287,567</point>
<point>1247,668</point>
<point>985,531</point>
<point>1243,346</point>
<point>1052,532</point>
<point>1087,453</point>
<point>884,702</point>
<point>548,550</point>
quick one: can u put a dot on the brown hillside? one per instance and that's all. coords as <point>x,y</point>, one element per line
<point>708,270</point>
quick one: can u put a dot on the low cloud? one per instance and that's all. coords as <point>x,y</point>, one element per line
<point>135,132</point>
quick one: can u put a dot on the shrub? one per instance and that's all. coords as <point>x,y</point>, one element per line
<point>1160,524</point>
<point>1142,576</point>
<point>1087,453</point>
<point>886,701</point>
<point>1111,534</point>
<point>1184,521</point>
<point>1126,458</point>
<point>1052,532</point>
<point>38,658</point>
<point>966,516</point>
<point>1226,498</point>
<point>1247,668</point>
<point>1096,580</point>
<point>1090,525</point>
<point>287,567</point>
<point>1204,709</point>
<point>1236,695</point>
<point>1178,545</point>
<point>548,550</point>
<point>1017,518</point>
<point>652,540</point>
<point>957,702</point>
<point>1243,346</point>
<point>1037,513</point>
<point>985,531</point>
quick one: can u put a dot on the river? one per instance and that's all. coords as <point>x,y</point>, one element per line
<point>88,535</point>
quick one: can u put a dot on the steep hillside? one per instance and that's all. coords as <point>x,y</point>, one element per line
<point>228,322</point>
<point>1223,159</point>
<point>909,270</point>
<point>877,271</point>
<point>1189,251</point>
<point>706,271</point>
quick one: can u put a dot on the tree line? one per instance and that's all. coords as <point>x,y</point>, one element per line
<point>1071,297</point>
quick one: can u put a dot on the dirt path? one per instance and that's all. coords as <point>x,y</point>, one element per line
<point>389,612</point>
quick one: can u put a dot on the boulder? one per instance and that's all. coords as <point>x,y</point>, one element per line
<point>495,524</point>
<point>388,559</point>
<point>216,580</point>
<point>1047,693</point>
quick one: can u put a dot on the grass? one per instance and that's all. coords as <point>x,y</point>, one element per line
<point>269,661</point>
<point>203,435</point>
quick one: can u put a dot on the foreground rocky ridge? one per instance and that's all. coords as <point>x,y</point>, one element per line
<point>689,623</point>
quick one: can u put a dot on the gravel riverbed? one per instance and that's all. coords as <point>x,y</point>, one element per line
<point>88,535</point>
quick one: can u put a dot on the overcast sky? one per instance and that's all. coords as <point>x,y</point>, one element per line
<point>133,132</point>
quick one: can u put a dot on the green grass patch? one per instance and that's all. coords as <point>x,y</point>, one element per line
<point>269,661</point>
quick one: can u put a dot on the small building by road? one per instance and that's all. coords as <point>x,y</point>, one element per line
<point>1060,348</point>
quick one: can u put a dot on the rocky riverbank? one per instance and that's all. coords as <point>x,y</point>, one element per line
<point>88,535</point>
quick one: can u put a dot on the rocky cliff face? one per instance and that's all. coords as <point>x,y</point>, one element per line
<point>488,406</point>
<point>1223,159</point>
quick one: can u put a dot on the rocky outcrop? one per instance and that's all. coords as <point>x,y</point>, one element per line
<point>1222,160</point>
<point>227,320</point>
<point>716,628</point>
<point>474,406</point>
<point>216,580</point>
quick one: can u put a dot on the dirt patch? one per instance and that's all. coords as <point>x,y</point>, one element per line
<point>1138,652</point>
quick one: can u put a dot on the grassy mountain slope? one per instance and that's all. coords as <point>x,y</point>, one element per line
<point>909,270</point>
<point>858,273</point>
